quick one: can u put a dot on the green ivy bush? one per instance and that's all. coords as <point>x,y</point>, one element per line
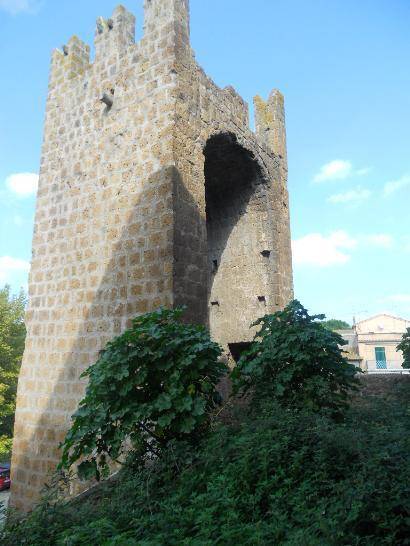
<point>281,476</point>
<point>298,362</point>
<point>404,346</point>
<point>153,384</point>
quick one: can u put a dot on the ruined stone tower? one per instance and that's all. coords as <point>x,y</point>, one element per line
<point>153,192</point>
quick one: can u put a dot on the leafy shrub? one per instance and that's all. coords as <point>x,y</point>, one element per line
<point>281,476</point>
<point>336,324</point>
<point>153,384</point>
<point>404,346</point>
<point>5,448</point>
<point>297,361</point>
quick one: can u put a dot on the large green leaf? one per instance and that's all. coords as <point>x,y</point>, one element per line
<point>154,383</point>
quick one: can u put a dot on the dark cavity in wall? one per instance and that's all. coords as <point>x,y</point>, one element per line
<point>236,211</point>
<point>237,349</point>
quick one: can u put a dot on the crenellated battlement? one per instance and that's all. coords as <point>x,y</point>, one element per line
<point>73,59</point>
<point>165,21</point>
<point>270,123</point>
<point>114,35</point>
<point>160,13</point>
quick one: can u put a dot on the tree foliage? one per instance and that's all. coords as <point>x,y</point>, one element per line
<point>154,383</point>
<point>404,346</point>
<point>12,337</point>
<point>297,361</point>
<point>336,324</point>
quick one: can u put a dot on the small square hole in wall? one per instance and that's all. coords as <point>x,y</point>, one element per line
<point>215,303</point>
<point>262,299</point>
<point>266,253</point>
<point>214,266</point>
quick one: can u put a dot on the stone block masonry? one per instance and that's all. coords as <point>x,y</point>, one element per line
<point>153,192</point>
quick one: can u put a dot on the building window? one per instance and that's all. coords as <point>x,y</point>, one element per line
<point>381,363</point>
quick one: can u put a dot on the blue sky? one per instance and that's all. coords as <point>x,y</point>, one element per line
<point>344,68</point>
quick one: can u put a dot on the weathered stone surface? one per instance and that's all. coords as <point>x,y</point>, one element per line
<point>164,197</point>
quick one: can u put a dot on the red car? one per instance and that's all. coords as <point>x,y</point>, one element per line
<point>4,476</point>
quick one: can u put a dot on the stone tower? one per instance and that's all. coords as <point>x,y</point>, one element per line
<point>153,192</point>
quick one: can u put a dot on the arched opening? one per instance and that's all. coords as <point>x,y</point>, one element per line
<point>237,224</point>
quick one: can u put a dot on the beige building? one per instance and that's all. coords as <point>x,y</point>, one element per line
<point>373,343</point>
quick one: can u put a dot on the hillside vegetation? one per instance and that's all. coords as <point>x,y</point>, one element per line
<point>268,470</point>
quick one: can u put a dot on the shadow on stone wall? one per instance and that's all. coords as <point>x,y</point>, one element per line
<point>139,278</point>
<point>190,254</point>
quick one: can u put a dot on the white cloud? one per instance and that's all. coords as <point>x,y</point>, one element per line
<point>381,240</point>
<point>317,250</point>
<point>337,169</point>
<point>396,185</point>
<point>18,6</point>
<point>10,266</point>
<point>22,184</point>
<point>352,196</point>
